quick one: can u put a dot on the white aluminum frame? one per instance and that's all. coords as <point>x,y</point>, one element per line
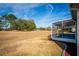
<point>62,39</point>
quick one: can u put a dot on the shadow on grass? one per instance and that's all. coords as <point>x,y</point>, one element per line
<point>49,38</point>
<point>60,44</point>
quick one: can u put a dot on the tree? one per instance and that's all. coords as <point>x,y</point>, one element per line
<point>18,24</point>
<point>0,25</point>
<point>31,25</point>
<point>41,28</point>
<point>25,25</point>
<point>10,17</point>
<point>48,28</point>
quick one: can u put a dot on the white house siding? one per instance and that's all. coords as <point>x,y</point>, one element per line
<point>78,32</point>
<point>54,32</point>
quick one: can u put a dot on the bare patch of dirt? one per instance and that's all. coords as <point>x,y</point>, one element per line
<point>36,43</point>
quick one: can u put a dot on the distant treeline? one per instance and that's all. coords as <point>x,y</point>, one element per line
<point>11,22</point>
<point>42,28</point>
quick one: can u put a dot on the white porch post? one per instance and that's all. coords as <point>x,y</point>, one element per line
<point>62,29</point>
<point>77,32</point>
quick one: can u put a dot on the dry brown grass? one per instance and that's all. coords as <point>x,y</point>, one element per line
<point>33,43</point>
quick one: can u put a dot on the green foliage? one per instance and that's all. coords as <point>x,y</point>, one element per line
<point>19,24</point>
<point>23,25</point>
<point>41,28</point>
<point>0,25</point>
<point>10,17</point>
<point>30,25</point>
<point>49,28</point>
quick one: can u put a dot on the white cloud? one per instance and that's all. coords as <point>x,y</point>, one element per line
<point>45,21</point>
<point>23,9</point>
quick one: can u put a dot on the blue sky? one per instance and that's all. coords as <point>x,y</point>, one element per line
<point>43,14</point>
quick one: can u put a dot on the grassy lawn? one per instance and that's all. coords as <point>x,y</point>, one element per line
<point>31,43</point>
